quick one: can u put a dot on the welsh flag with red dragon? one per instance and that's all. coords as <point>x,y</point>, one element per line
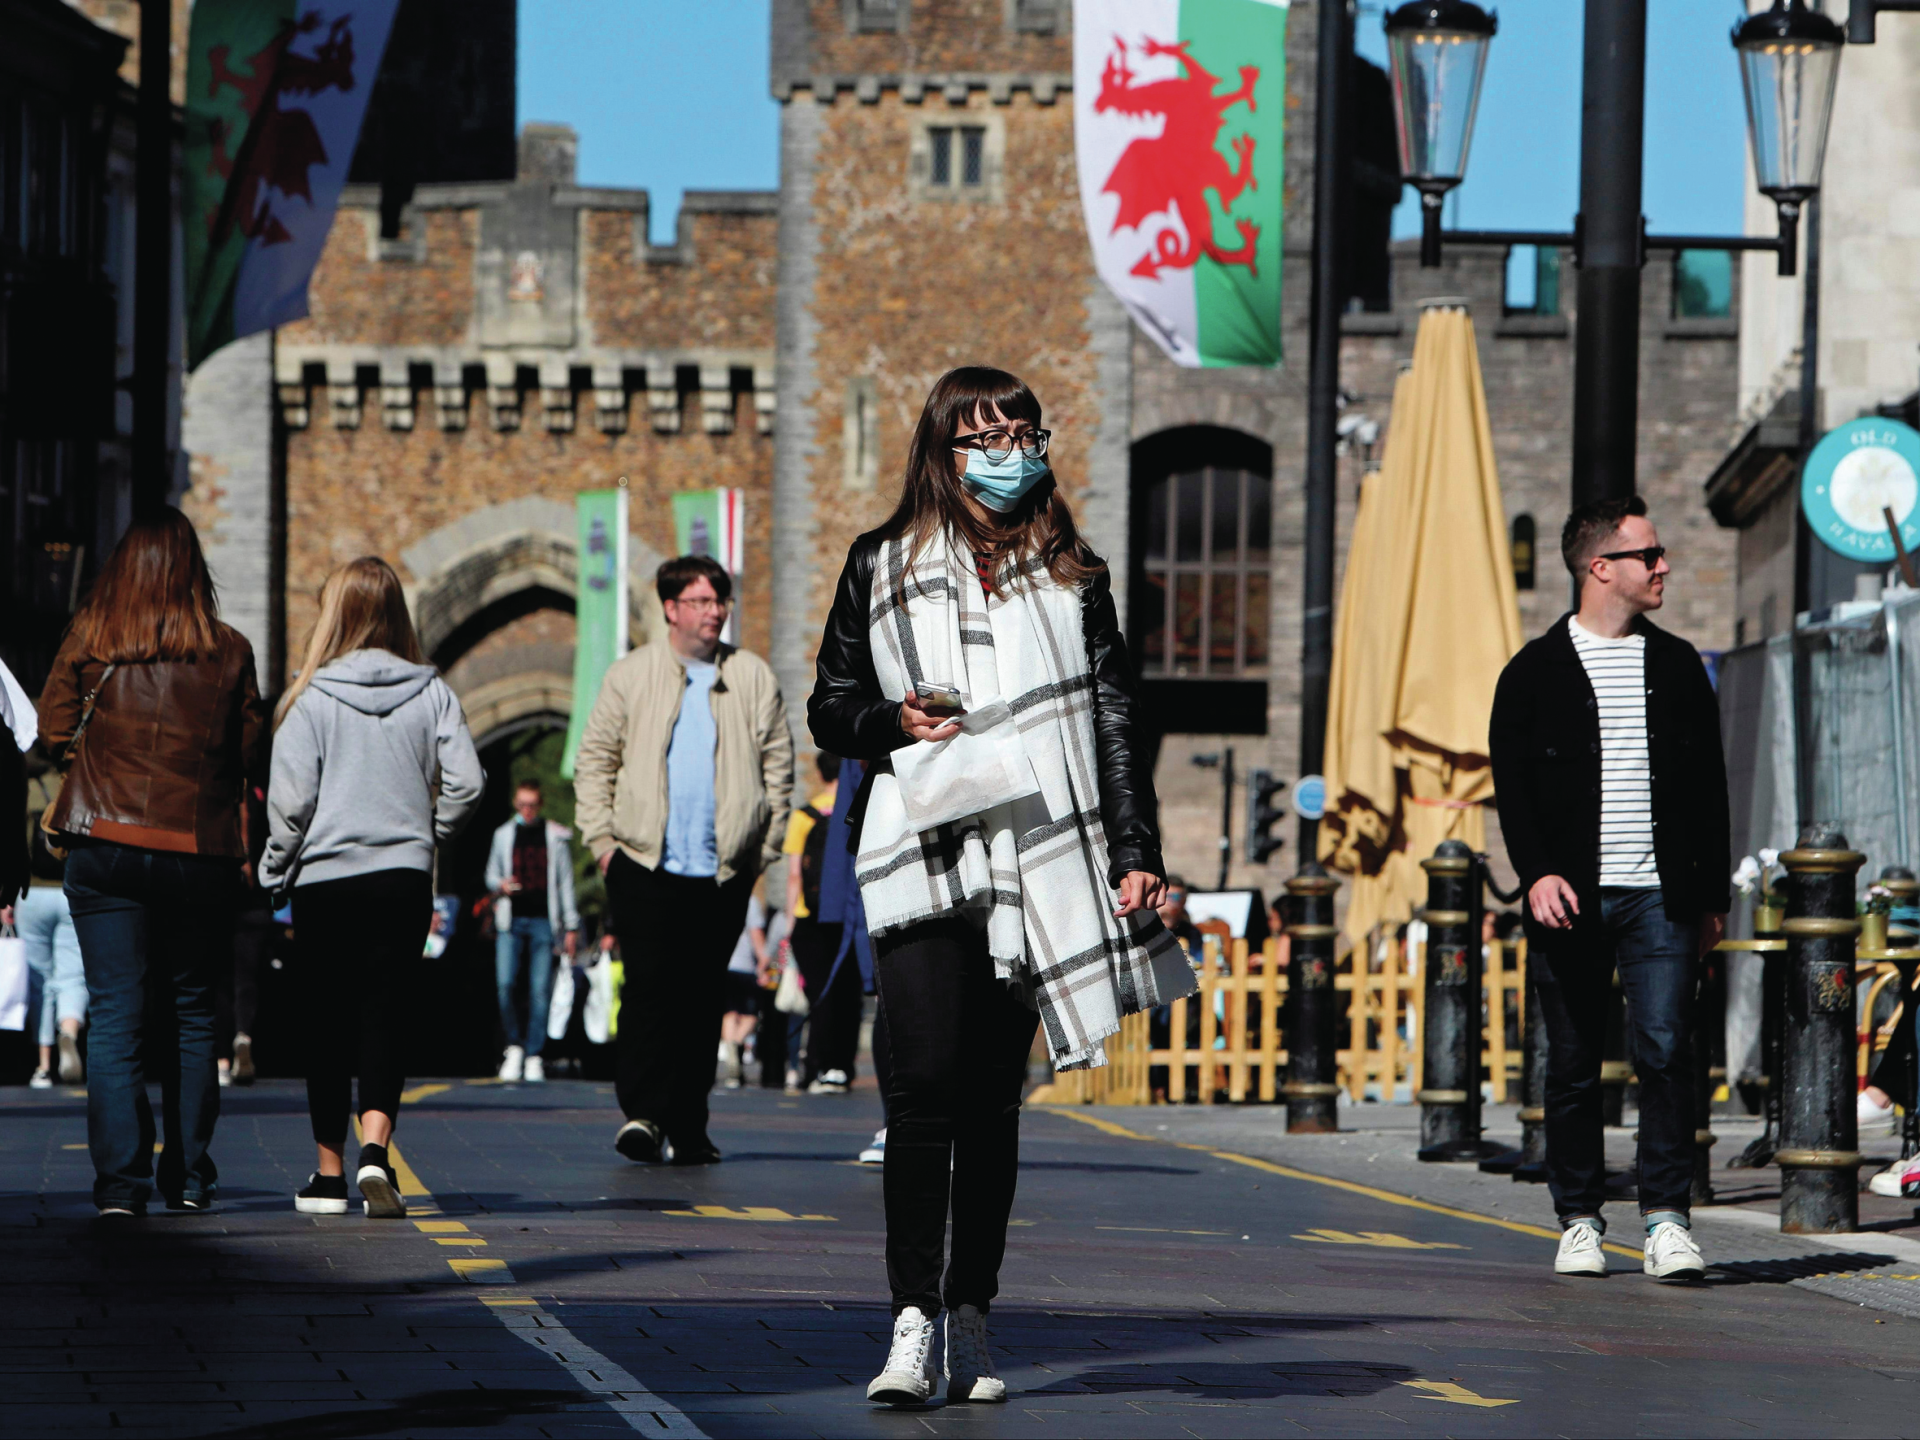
<point>1179,116</point>
<point>276,91</point>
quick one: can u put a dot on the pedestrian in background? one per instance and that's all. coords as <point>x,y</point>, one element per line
<point>1612,789</point>
<point>530,875</point>
<point>1007,852</point>
<point>681,790</point>
<point>237,995</point>
<point>840,906</point>
<point>747,971</point>
<point>372,768</point>
<point>153,715</point>
<point>821,1069</point>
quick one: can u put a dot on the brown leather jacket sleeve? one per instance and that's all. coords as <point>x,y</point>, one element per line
<point>60,702</point>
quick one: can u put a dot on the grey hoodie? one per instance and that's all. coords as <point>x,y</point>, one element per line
<point>354,771</point>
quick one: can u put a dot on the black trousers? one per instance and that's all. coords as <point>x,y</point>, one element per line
<point>833,1010</point>
<point>957,1040</point>
<point>358,943</point>
<point>1659,964</point>
<point>676,936</point>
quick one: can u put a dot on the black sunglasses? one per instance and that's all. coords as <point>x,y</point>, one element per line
<point>1648,557</point>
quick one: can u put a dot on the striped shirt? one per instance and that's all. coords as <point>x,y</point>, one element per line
<point>1617,670</point>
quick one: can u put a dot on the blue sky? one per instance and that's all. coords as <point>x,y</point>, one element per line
<point>671,95</point>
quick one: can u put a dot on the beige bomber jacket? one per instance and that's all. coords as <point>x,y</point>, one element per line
<point>620,773</point>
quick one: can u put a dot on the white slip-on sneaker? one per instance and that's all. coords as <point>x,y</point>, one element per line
<point>876,1153</point>
<point>1580,1252</point>
<point>1875,1121</point>
<point>912,1371</point>
<point>534,1070</point>
<point>969,1364</point>
<point>1673,1255</point>
<point>514,1062</point>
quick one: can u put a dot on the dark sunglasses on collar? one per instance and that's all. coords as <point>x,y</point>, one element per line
<point>1648,557</point>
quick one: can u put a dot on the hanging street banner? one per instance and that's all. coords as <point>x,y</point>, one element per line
<point>1179,110</point>
<point>276,91</point>
<point>1857,474</point>
<point>600,607</point>
<point>711,523</point>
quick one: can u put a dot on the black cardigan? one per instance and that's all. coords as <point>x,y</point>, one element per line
<point>1545,743</point>
<point>848,715</point>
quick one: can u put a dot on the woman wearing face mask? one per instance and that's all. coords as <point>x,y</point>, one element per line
<point>1005,842</point>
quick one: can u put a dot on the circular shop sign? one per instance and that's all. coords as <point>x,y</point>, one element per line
<point>1857,472</point>
<point>1310,797</point>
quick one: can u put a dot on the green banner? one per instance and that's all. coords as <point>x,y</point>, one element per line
<point>600,606</point>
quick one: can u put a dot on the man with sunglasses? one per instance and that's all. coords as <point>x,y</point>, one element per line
<point>1612,791</point>
<point>682,787</point>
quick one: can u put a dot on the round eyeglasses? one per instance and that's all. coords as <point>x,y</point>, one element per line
<point>997,445</point>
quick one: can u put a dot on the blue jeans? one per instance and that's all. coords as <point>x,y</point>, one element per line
<point>1659,964</point>
<point>534,938</point>
<point>56,980</point>
<point>152,927</point>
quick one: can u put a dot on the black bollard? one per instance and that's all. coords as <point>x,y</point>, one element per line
<point>1311,1046</point>
<point>1533,1088</point>
<point>1819,1153</point>
<point>1450,1091</point>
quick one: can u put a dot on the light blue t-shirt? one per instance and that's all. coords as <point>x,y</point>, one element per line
<point>690,845</point>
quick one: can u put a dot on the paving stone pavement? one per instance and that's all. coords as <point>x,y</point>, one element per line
<point>543,1286</point>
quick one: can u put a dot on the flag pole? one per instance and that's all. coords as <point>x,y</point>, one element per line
<point>153,258</point>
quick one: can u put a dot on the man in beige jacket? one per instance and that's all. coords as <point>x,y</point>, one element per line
<point>682,787</point>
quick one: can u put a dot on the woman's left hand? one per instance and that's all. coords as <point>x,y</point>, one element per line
<point>1140,891</point>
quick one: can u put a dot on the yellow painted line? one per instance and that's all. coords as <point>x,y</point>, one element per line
<point>482,1272</point>
<point>1377,1238</point>
<point>485,1080</point>
<point>410,1185</point>
<point>1519,1227</point>
<point>748,1212</point>
<point>1454,1394</point>
<point>476,1240</point>
<point>439,1227</point>
<point>421,1092</point>
<point>496,1301</point>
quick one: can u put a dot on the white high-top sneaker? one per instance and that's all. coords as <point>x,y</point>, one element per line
<point>1672,1254</point>
<point>512,1064</point>
<point>969,1364</point>
<point>535,1070</point>
<point>912,1371</point>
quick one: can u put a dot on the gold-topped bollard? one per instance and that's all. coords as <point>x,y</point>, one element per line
<point>1819,1151</point>
<point>1312,1061</point>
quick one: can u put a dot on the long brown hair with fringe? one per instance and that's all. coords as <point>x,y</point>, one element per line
<point>933,502</point>
<point>362,607</point>
<point>153,599</point>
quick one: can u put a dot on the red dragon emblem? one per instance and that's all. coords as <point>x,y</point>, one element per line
<point>280,146</point>
<point>1170,173</point>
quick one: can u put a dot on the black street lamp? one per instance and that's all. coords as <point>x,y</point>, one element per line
<point>1789,60</point>
<point>1438,51</point>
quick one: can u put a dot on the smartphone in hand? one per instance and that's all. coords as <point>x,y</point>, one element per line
<point>937,695</point>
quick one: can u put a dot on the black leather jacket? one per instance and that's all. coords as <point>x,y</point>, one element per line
<point>848,715</point>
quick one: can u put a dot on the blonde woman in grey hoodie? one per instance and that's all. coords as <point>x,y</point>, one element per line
<point>372,767</point>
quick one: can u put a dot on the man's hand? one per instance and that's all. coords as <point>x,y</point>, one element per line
<point>605,861</point>
<point>1553,902</point>
<point>510,886</point>
<point>570,944</point>
<point>1140,891</point>
<point>928,724</point>
<point>1713,929</point>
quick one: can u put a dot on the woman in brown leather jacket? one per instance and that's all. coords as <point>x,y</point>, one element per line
<point>153,710</point>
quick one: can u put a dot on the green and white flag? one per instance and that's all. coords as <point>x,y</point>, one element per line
<point>276,91</point>
<point>599,608</point>
<point>1179,111</point>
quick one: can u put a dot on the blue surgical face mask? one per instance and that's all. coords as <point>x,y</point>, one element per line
<point>1002,484</point>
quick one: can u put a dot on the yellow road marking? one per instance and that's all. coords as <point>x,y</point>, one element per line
<point>421,1092</point>
<point>749,1212</point>
<point>1160,1230</point>
<point>482,1272</point>
<point>1378,1238</point>
<point>498,1300</point>
<point>458,1240</point>
<point>1519,1227</point>
<point>1454,1394</point>
<point>439,1227</point>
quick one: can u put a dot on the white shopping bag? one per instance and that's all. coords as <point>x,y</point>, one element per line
<point>13,983</point>
<point>560,1011</point>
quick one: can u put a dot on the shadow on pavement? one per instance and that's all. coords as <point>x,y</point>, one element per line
<point>429,1410</point>
<point>1245,1381</point>
<point>1801,1267</point>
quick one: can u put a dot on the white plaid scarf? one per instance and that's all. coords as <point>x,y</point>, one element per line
<point>1033,871</point>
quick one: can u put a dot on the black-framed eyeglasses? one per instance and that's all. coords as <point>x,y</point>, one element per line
<point>1649,557</point>
<point>701,602</point>
<point>997,445</point>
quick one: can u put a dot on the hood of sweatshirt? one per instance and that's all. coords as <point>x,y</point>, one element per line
<point>374,682</point>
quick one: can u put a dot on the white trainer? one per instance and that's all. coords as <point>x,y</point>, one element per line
<point>513,1064</point>
<point>534,1071</point>
<point>1673,1255</point>
<point>1875,1121</point>
<point>969,1363</point>
<point>1580,1252</point>
<point>912,1371</point>
<point>876,1153</point>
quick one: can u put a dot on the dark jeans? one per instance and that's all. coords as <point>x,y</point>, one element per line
<point>833,1009</point>
<point>957,1040</point>
<point>360,940</point>
<point>153,927</point>
<point>1659,964</point>
<point>677,934</point>
<point>530,939</point>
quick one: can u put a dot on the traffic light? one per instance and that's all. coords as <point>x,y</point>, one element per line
<point>1263,815</point>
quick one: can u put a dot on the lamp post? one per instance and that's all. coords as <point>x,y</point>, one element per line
<point>1438,53</point>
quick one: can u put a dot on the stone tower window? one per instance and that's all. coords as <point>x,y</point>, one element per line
<point>1522,547</point>
<point>860,435</point>
<point>957,162</point>
<point>1037,17</point>
<point>869,16</point>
